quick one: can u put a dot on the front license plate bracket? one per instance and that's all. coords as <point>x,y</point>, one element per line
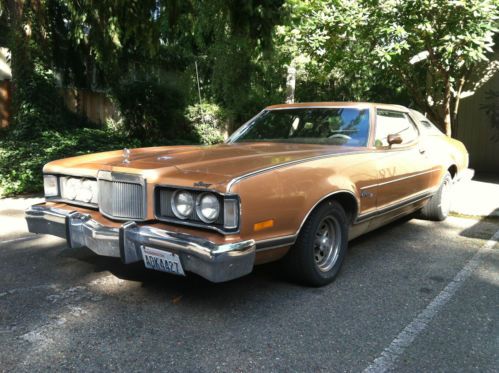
<point>161,260</point>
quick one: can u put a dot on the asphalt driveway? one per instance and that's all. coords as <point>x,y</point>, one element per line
<point>414,296</point>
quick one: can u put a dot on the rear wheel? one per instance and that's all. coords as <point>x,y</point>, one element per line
<point>319,251</point>
<point>438,207</point>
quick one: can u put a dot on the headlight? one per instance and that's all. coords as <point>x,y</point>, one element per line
<point>87,192</point>
<point>182,204</point>
<point>208,207</point>
<point>50,185</point>
<point>77,189</point>
<point>70,187</point>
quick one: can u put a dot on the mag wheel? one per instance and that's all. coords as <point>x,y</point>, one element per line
<point>318,253</point>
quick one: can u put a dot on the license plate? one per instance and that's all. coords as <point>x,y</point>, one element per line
<point>162,261</point>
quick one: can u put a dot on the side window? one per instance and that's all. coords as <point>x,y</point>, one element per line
<point>430,128</point>
<point>393,122</point>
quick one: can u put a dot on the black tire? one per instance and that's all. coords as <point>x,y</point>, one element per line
<point>438,207</point>
<point>305,262</point>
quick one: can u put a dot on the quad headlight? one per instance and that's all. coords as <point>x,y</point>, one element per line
<point>198,208</point>
<point>79,189</point>
<point>208,207</point>
<point>182,204</point>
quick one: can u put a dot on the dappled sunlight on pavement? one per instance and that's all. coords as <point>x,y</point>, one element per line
<point>12,223</point>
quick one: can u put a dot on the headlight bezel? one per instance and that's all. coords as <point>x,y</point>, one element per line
<point>163,210</point>
<point>60,198</point>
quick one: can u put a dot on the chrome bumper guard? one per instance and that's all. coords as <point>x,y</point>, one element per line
<point>215,262</point>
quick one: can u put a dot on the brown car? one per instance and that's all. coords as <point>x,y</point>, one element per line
<point>296,183</point>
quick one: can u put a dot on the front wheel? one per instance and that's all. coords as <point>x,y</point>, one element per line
<point>438,207</point>
<point>319,251</point>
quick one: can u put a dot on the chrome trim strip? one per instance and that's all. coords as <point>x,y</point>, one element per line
<point>324,198</point>
<point>290,163</point>
<point>399,179</point>
<point>93,206</point>
<point>395,206</point>
<point>360,106</point>
<point>274,243</point>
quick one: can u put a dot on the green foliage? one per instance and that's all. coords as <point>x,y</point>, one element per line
<point>207,121</point>
<point>151,109</point>
<point>426,47</point>
<point>39,106</point>
<point>143,53</point>
<point>21,161</point>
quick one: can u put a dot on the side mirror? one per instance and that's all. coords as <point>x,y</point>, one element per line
<point>394,139</point>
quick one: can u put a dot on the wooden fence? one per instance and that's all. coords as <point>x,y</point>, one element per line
<point>96,106</point>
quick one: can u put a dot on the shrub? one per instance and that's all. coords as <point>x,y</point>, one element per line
<point>151,109</point>
<point>21,161</point>
<point>207,122</point>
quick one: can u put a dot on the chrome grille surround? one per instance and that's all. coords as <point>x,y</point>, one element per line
<point>122,196</point>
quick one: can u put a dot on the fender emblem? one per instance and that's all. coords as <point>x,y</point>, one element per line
<point>366,194</point>
<point>201,184</point>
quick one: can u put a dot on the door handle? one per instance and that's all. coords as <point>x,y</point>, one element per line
<point>422,151</point>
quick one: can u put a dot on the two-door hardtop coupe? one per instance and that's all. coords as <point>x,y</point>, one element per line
<point>296,183</point>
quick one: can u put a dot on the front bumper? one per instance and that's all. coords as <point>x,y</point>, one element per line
<point>465,175</point>
<point>215,262</point>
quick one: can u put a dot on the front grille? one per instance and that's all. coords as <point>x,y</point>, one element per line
<point>122,196</point>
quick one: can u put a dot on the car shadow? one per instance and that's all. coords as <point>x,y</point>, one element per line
<point>484,228</point>
<point>267,276</point>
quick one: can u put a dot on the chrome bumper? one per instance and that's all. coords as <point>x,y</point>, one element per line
<point>215,262</point>
<point>465,175</point>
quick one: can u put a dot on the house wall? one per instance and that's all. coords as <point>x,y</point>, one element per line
<point>475,130</point>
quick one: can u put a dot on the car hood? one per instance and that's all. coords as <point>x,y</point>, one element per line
<point>210,164</point>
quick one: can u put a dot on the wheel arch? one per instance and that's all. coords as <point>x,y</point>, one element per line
<point>452,170</point>
<point>345,198</point>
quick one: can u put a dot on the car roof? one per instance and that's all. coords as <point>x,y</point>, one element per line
<point>338,104</point>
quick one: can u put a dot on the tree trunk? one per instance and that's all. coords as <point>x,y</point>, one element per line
<point>446,107</point>
<point>290,84</point>
<point>18,45</point>
<point>456,102</point>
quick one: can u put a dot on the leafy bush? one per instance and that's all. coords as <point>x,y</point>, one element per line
<point>38,106</point>
<point>151,109</point>
<point>21,161</point>
<point>207,121</point>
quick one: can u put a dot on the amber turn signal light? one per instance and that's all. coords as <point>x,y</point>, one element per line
<point>263,225</point>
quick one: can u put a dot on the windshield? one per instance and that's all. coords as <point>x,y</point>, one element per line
<point>330,126</point>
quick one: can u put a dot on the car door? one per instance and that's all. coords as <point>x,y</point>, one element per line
<point>404,170</point>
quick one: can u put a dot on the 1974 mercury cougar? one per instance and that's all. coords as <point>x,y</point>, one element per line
<point>295,183</point>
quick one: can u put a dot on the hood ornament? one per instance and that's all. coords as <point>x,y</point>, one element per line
<point>126,155</point>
